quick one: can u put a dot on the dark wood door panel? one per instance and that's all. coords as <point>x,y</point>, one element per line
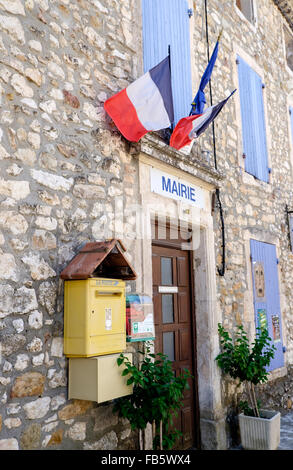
<point>174,326</point>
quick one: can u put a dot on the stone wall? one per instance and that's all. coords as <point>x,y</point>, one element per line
<point>65,167</point>
<point>62,166</point>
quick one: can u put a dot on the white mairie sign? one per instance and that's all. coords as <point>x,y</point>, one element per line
<point>176,188</point>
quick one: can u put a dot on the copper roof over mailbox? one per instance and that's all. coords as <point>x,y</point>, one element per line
<point>99,259</point>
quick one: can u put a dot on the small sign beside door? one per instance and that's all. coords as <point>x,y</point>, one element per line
<point>168,289</point>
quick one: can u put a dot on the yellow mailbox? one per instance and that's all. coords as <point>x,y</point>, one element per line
<point>94,300</point>
<point>94,317</point>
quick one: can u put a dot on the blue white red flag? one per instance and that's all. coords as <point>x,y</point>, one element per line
<point>191,127</point>
<point>145,105</point>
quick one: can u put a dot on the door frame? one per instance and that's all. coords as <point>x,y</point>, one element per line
<point>212,411</point>
<point>177,245</point>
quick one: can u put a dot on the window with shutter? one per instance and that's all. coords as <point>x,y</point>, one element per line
<point>247,8</point>
<point>266,295</point>
<point>253,121</point>
<point>166,23</point>
<point>289,48</point>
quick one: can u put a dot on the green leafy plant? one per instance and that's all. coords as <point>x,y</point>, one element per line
<point>245,363</point>
<point>156,396</point>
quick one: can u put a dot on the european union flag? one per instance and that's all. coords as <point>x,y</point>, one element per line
<point>197,106</point>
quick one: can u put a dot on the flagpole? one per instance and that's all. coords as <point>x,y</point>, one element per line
<point>170,65</point>
<point>221,270</point>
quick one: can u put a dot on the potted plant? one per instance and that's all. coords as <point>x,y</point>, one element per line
<point>259,428</point>
<point>156,397</point>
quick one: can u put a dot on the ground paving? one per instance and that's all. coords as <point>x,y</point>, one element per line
<point>286,434</point>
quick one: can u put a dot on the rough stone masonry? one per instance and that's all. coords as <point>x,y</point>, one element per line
<point>61,168</point>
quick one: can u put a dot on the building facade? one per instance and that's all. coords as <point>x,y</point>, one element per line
<point>68,177</point>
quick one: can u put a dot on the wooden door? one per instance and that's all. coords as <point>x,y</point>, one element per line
<point>174,326</point>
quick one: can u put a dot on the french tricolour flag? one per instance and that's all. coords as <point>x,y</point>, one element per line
<point>191,127</point>
<point>145,105</point>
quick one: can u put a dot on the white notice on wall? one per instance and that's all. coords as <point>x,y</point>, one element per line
<point>176,188</point>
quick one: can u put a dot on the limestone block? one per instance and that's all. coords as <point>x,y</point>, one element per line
<point>91,111</point>
<point>15,189</point>
<point>47,296</point>
<point>14,170</point>
<point>36,345</point>
<point>99,6</point>
<point>35,320</point>
<point>12,423</point>
<point>6,300</point>
<point>57,347</point>
<point>94,38</point>
<point>34,139</point>
<point>34,75</point>
<point>24,300</point>
<point>13,221</point>
<point>56,70</point>
<point>66,150</point>
<point>18,245</point>
<point>38,408</point>
<point>76,408</point>
<point>77,432</point>
<point>35,45</point>
<point>43,240</point>
<point>12,26</point>
<point>108,442</point>
<point>3,153</point>
<point>85,191</point>
<point>22,362</point>
<point>8,444</point>
<point>38,360</point>
<point>104,418</point>
<point>30,438</point>
<point>40,270</point>
<point>20,85</point>
<point>56,438</point>
<point>29,102</point>
<point>12,6</point>
<point>48,106</point>
<point>54,182</point>
<point>18,325</point>
<point>57,379</point>
<point>12,343</point>
<point>57,401</point>
<point>47,223</point>
<point>28,384</point>
<point>26,155</point>
<point>8,267</point>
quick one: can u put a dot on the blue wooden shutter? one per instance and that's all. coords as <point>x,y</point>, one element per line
<point>267,306</point>
<point>166,22</point>
<point>253,121</point>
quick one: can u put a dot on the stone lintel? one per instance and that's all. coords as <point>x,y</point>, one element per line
<point>156,148</point>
